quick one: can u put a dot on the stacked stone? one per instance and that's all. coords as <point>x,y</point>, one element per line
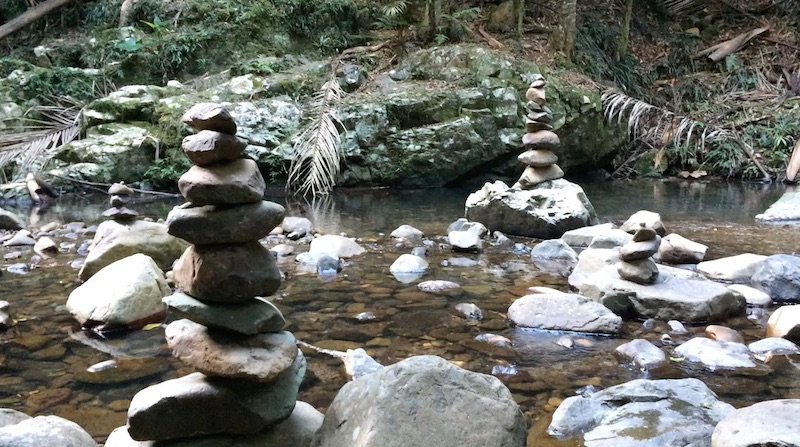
<point>539,140</point>
<point>636,264</point>
<point>120,197</point>
<point>249,370</point>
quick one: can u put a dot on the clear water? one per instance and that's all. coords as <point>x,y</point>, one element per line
<point>43,358</point>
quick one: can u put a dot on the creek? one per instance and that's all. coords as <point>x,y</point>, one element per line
<point>43,359</point>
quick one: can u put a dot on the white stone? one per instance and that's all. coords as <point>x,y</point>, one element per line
<point>648,218</point>
<point>407,263</point>
<point>754,297</point>
<point>582,237</point>
<point>335,246</point>
<point>715,354</point>
<point>737,268</point>
<point>785,322</point>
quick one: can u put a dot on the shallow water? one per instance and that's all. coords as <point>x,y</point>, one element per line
<point>44,358</point>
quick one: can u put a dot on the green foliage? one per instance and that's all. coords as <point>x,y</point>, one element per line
<point>165,172</point>
<point>597,54</point>
<point>740,76</point>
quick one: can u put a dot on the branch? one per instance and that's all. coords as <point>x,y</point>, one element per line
<point>30,16</point>
<point>108,185</point>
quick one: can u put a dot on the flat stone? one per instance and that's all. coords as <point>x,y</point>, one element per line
<point>210,116</point>
<point>437,286</point>
<point>642,271</point>
<point>538,158</point>
<point>532,125</point>
<point>259,358</point>
<point>774,345</point>
<point>642,353</point>
<point>644,234</point>
<point>785,322</point>
<point>754,297</point>
<point>739,268</point>
<point>582,237</point>
<point>196,405</point>
<point>563,312</point>
<point>249,318</point>
<point>715,354</point>
<point>769,423</point>
<point>407,232</point>
<point>227,273</point>
<point>639,250</point>
<point>121,370</point>
<point>231,183</point>
<point>676,295</point>
<point>639,413</point>
<point>217,224</point>
<point>120,213</point>
<point>45,246</point>
<point>296,431</point>
<point>676,249</point>
<point>787,208</point>
<point>533,176</point>
<point>613,238</point>
<point>648,219</point>
<point>208,147</point>
<point>120,189</point>
<point>541,140</point>
<point>20,238</point>
<point>335,246</point>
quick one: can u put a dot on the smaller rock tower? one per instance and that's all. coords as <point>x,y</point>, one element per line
<point>539,140</point>
<point>636,264</point>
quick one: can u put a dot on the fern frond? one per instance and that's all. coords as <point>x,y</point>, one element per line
<point>396,8</point>
<point>317,158</point>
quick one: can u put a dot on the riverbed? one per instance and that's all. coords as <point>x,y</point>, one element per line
<point>44,357</point>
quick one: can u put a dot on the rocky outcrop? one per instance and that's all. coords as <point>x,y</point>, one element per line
<point>419,402</point>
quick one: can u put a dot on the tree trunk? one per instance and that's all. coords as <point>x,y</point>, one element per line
<point>30,16</point>
<point>433,19</point>
<point>625,35</point>
<point>125,12</point>
<point>568,21</point>
<point>519,13</point>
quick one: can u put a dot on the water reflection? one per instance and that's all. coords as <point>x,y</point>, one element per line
<point>44,358</point>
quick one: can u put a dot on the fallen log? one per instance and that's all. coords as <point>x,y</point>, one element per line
<point>30,16</point>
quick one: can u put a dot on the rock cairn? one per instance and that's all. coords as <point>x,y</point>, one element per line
<point>249,370</point>
<point>636,264</point>
<point>539,140</point>
<point>120,195</point>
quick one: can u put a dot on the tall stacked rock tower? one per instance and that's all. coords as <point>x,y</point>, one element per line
<point>541,203</point>
<point>249,370</point>
<point>539,140</point>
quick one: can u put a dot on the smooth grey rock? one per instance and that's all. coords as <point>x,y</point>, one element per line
<point>20,238</point>
<point>642,271</point>
<point>249,318</point>
<point>335,246</point>
<point>541,140</point>
<point>210,116</point>
<point>227,273</point>
<point>676,249</point>
<point>125,293</point>
<point>299,225</point>
<point>563,312</point>
<point>779,277</point>
<point>494,339</point>
<point>582,237</point>
<point>676,327</point>
<point>591,261</point>
<point>462,224</point>
<point>407,232</point>
<point>778,346</point>
<point>531,177</point>
<point>214,224</point>
<point>785,322</point>
<point>754,297</point>
<point>296,431</point>
<point>45,247</point>
<point>639,250</point>
<point>328,265</point>
<point>642,353</point>
<point>470,311</point>
<point>554,256</point>
<point>677,294</point>
<point>45,431</point>
<point>259,358</point>
<point>642,413</point>
<point>784,209</point>
<point>420,402</point>
<point>739,268</point>
<point>538,158</point>
<point>715,354</point>
<point>230,183</point>
<point>613,238</point>
<point>10,221</point>
<point>114,241</point>
<point>407,263</point>
<point>545,212</point>
<point>465,240</point>
<point>196,405</point>
<point>769,423</point>
<point>208,147</point>
<point>437,286</point>
<point>648,218</point>
<point>11,417</point>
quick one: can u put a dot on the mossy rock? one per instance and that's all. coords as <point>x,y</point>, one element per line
<point>130,103</point>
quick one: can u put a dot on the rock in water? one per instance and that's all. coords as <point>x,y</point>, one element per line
<point>642,353</point>
<point>127,292</point>
<point>44,431</point>
<point>224,224</point>
<point>545,212</point>
<point>739,268</point>
<point>779,277</point>
<point>227,273</point>
<point>335,246</point>
<point>713,354</point>
<point>563,312</point>
<point>423,401</point>
<point>770,423</point>
<point>196,405</point>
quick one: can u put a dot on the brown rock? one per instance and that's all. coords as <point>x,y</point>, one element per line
<point>209,147</point>
<point>537,95</point>
<point>223,184</point>
<point>533,176</point>
<point>227,273</point>
<point>535,126</point>
<point>120,189</point>
<point>212,224</point>
<point>722,333</point>
<point>260,358</point>
<point>210,116</point>
<point>537,158</point>
<point>542,117</point>
<point>644,234</point>
<point>542,140</point>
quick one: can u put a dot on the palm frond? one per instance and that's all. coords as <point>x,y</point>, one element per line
<point>395,8</point>
<point>683,7</point>
<point>316,158</point>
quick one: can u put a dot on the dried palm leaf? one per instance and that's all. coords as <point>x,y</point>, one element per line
<point>316,159</point>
